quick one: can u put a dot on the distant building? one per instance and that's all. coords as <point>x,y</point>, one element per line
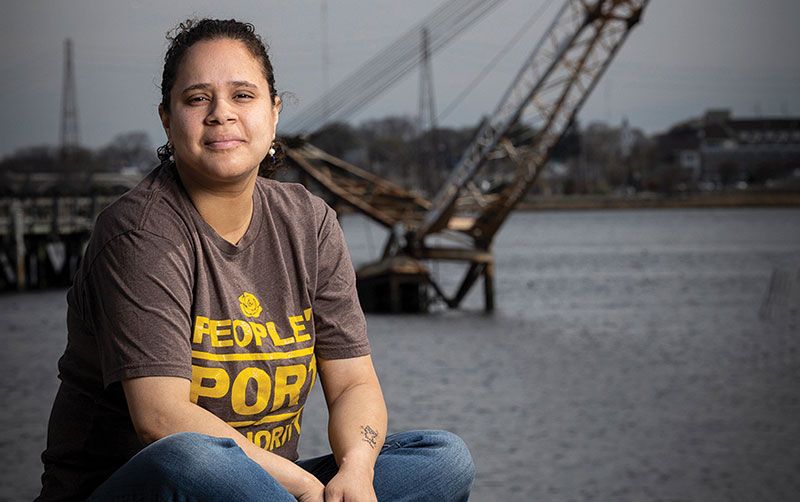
<point>721,150</point>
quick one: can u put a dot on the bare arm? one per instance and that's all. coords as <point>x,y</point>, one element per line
<point>356,427</point>
<point>160,406</point>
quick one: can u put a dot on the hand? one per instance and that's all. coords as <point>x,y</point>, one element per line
<point>351,485</point>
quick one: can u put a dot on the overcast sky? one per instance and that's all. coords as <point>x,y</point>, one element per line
<point>686,56</point>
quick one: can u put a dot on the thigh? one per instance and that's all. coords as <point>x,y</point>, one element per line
<point>191,467</point>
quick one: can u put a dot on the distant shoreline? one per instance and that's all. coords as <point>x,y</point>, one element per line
<point>654,200</point>
<point>646,200</point>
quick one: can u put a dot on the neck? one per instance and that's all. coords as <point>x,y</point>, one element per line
<point>227,209</point>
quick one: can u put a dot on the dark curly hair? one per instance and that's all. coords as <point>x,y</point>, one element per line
<point>191,31</point>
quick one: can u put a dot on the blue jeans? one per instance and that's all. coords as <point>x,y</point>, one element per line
<point>412,466</point>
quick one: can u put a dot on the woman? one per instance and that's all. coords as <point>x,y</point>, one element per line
<point>207,301</point>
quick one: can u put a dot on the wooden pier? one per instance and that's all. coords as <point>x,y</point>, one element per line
<point>42,238</point>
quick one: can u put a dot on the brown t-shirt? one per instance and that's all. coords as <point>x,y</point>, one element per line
<point>160,293</point>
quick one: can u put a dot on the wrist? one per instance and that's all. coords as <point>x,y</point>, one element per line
<point>361,465</point>
<point>305,484</point>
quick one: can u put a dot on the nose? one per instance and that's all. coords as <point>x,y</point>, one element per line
<point>220,111</point>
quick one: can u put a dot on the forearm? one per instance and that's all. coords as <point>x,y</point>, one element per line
<point>357,426</point>
<point>155,420</point>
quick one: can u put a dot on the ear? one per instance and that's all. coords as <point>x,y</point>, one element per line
<point>276,108</point>
<point>164,116</point>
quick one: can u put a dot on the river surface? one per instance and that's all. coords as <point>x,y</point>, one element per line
<point>634,355</point>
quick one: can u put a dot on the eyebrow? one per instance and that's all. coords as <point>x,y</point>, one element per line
<point>232,83</point>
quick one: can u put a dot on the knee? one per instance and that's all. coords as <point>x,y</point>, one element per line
<point>191,466</point>
<point>447,459</point>
<point>187,455</point>
<point>454,457</point>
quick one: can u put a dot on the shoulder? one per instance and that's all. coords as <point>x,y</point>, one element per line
<point>157,205</point>
<point>155,208</point>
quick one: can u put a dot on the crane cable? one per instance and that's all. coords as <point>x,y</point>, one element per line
<point>490,66</point>
<point>392,63</point>
<point>383,69</point>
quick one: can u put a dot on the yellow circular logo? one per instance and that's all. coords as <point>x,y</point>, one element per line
<point>249,304</point>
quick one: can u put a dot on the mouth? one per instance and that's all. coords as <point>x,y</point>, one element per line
<point>223,143</point>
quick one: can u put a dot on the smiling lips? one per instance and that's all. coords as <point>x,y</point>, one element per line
<point>223,143</point>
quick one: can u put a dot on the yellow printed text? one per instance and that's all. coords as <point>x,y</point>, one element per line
<point>285,391</point>
<point>226,332</point>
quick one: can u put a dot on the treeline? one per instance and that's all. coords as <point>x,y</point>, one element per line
<point>393,148</point>
<point>595,159</point>
<point>130,150</point>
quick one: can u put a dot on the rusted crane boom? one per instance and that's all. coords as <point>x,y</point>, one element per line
<point>381,200</point>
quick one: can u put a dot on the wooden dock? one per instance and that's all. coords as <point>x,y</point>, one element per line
<point>42,238</point>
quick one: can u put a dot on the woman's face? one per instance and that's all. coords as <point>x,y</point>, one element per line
<point>221,121</point>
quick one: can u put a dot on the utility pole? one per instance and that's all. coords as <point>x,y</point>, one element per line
<point>326,62</point>
<point>428,172</point>
<point>69,108</point>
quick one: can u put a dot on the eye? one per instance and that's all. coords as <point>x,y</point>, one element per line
<point>243,96</point>
<point>196,99</point>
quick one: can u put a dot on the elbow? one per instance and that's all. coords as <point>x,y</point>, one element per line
<point>147,436</point>
<point>151,428</point>
<point>157,406</point>
<point>157,422</point>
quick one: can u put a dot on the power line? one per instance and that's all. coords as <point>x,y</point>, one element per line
<point>490,66</point>
<point>390,64</point>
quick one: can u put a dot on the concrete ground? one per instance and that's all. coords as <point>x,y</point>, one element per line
<point>631,373</point>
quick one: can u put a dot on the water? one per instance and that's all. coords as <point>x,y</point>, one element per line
<point>626,360</point>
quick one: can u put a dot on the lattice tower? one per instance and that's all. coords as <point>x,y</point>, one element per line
<point>70,137</point>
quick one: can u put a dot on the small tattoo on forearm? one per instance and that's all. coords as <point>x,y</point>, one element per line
<point>369,435</point>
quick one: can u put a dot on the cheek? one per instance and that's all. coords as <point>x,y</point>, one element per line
<point>181,129</point>
<point>262,128</point>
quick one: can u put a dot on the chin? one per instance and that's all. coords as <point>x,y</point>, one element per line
<point>221,171</point>
<point>235,172</point>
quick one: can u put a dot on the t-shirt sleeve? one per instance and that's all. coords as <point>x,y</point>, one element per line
<point>339,323</point>
<point>137,299</point>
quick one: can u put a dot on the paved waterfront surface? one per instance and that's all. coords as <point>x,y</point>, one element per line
<point>627,361</point>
